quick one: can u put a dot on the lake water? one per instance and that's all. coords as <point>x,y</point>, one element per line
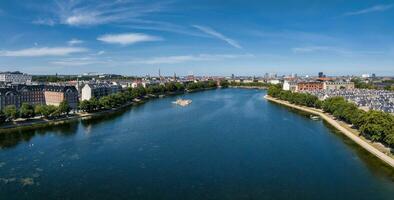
<point>228,144</point>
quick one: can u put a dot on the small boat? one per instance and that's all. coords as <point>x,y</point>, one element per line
<point>182,102</point>
<point>314,117</point>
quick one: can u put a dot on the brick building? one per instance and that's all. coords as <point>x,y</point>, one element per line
<point>310,86</point>
<point>32,94</point>
<point>54,95</point>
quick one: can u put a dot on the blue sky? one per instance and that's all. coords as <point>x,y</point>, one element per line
<point>204,37</point>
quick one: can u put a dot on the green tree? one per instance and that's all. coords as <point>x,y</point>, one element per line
<point>377,125</point>
<point>11,112</point>
<point>179,86</point>
<point>106,102</point>
<point>26,111</point>
<point>224,83</point>
<point>85,105</point>
<point>45,110</point>
<point>64,107</point>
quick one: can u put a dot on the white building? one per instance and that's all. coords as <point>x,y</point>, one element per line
<point>248,81</point>
<point>97,90</point>
<point>274,81</point>
<point>135,84</point>
<point>290,86</point>
<point>15,77</point>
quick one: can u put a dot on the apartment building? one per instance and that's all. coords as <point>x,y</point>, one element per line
<point>336,85</point>
<point>310,86</point>
<point>55,94</point>
<point>97,90</point>
<point>9,96</point>
<point>15,77</point>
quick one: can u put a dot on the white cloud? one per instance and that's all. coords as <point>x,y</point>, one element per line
<point>92,12</point>
<point>218,35</point>
<point>82,19</point>
<point>82,61</point>
<point>47,22</point>
<point>164,27</point>
<point>127,38</point>
<point>376,8</point>
<point>188,58</point>
<point>74,42</point>
<point>44,51</point>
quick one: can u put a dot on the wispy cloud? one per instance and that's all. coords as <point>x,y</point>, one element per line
<point>309,49</point>
<point>82,61</point>
<point>336,50</point>
<point>127,38</point>
<point>188,58</point>
<point>100,53</point>
<point>47,22</point>
<point>44,51</point>
<point>376,8</point>
<point>293,35</point>
<point>75,41</point>
<point>92,12</point>
<point>164,27</point>
<point>218,35</point>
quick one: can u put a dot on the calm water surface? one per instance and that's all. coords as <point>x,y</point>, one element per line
<point>228,144</point>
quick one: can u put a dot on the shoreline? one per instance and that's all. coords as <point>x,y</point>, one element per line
<point>249,87</point>
<point>358,140</point>
<point>32,124</point>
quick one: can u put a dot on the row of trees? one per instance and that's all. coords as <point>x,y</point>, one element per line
<point>295,98</point>
<point>201,85</point>
<point>121,98</point>
<point>376,125</point>
<point>11,112</point>
<point>358,83</point>
<point>251,84</point>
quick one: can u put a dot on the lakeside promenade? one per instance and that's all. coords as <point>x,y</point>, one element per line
<point>38,123</point>
<point>364,144</point>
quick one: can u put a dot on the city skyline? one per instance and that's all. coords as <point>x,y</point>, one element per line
<point>197,37</point>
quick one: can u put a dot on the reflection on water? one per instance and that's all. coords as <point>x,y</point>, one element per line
<point>11,139</point>
<point>374,164</point>
<point>68,128</point>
